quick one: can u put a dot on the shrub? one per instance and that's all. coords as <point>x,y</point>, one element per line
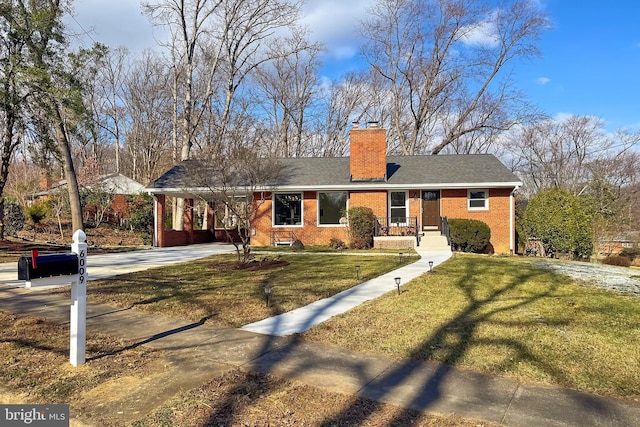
<point>469,235</point>
<point>562,222</point>
<point>297,245</point>
<point>335,243</point>
<point>631,253</point>
<point>13,219</point>
<point>621,261</point>
<point>147,238</point>
<point>141,211</point>
<point>361,227</point>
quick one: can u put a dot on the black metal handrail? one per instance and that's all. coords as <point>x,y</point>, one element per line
<point>397,226</point>
<point>444,229</point>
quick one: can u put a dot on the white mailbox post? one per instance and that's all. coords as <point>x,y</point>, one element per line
<point>78,328</point>
<point>48,274</point>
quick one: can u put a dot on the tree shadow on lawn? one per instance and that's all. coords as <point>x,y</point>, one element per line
<point>460,330</point>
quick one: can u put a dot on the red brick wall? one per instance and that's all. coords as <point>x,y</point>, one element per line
<point>368,153</point>
<point>120,206</point>
<point>376,200</point>
<point>309,234</point>
<point>415,205</point>
<point>454,205</point>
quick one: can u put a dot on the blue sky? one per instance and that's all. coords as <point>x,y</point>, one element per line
<point>590,62</point>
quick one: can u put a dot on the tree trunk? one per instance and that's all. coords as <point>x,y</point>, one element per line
<point>69,173</point>
<point>7,149</point>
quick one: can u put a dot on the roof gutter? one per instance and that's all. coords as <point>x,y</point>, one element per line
<point>346,187</point>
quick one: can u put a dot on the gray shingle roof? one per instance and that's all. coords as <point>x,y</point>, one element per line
<point>439,171</point>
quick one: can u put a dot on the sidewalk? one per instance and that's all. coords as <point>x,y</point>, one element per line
<point>201,352</point>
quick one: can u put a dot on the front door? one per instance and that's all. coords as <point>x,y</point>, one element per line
<point>431,210</point>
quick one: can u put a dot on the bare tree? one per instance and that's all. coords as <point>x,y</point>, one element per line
<point>566,153</point>
<point>223,40</point>
<point>287,87</point>
<point>341,101</point>
<point>237,182</point>
<point>56,91</point>
<point>12,96</point>
<point>150,106</point>
<point>443,61</point>
<point>109,106</point>
<point>219,43</point>
<point>578,155</point>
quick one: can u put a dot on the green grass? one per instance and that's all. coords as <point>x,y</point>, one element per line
<point>214,290</point>
<point>503,316</point>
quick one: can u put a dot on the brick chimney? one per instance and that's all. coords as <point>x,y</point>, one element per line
<point>45,181</point>
<point>368,161</point>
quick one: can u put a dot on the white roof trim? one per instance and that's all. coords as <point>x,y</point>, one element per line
<point>353,187</point>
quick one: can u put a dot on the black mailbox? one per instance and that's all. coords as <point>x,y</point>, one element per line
<point>47,266</point>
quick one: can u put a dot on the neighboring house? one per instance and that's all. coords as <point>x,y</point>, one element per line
<point>115,184</point>
<point>408,194</point>
<point>624,240</point>
<point>119,186</point>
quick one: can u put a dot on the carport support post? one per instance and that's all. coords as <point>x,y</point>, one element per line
<point>78,324</point>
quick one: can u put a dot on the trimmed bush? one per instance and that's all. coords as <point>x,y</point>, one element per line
<point>618,260</point>
<point>361,227</point>
<point>469,235</point>
<point>562,222</point>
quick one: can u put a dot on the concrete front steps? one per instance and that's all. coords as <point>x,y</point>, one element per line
<point>433,241</point>
<point>430,241</point>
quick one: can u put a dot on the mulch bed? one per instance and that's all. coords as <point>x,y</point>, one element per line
<point>20,246</point>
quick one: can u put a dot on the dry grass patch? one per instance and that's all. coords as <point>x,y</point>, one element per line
<point>216,290</point>
<point>248,399</point>
<point>35,368</point>
<point>503,316</point>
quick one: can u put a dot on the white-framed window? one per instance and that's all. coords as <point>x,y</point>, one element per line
<point>398,207</point>
<point>287,209</point>
<point>478,200</point>
<point>332,208</point>
<point>226,217</point>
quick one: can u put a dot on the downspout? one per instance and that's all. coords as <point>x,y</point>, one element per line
<point>512,221</point>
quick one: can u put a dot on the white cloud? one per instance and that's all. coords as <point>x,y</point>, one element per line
<point>480,34</point>
<point>543,80</point>
<point>334,23</point>
<point>114,23</point>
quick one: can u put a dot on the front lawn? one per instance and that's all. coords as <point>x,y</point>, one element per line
<point>503,316</point>
<point>216,290</point>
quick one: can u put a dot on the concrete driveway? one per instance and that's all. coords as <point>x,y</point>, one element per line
<point>109,265</point>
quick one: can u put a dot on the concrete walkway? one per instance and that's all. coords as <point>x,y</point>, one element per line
<point>198,352</point>
<point>304,318</point>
